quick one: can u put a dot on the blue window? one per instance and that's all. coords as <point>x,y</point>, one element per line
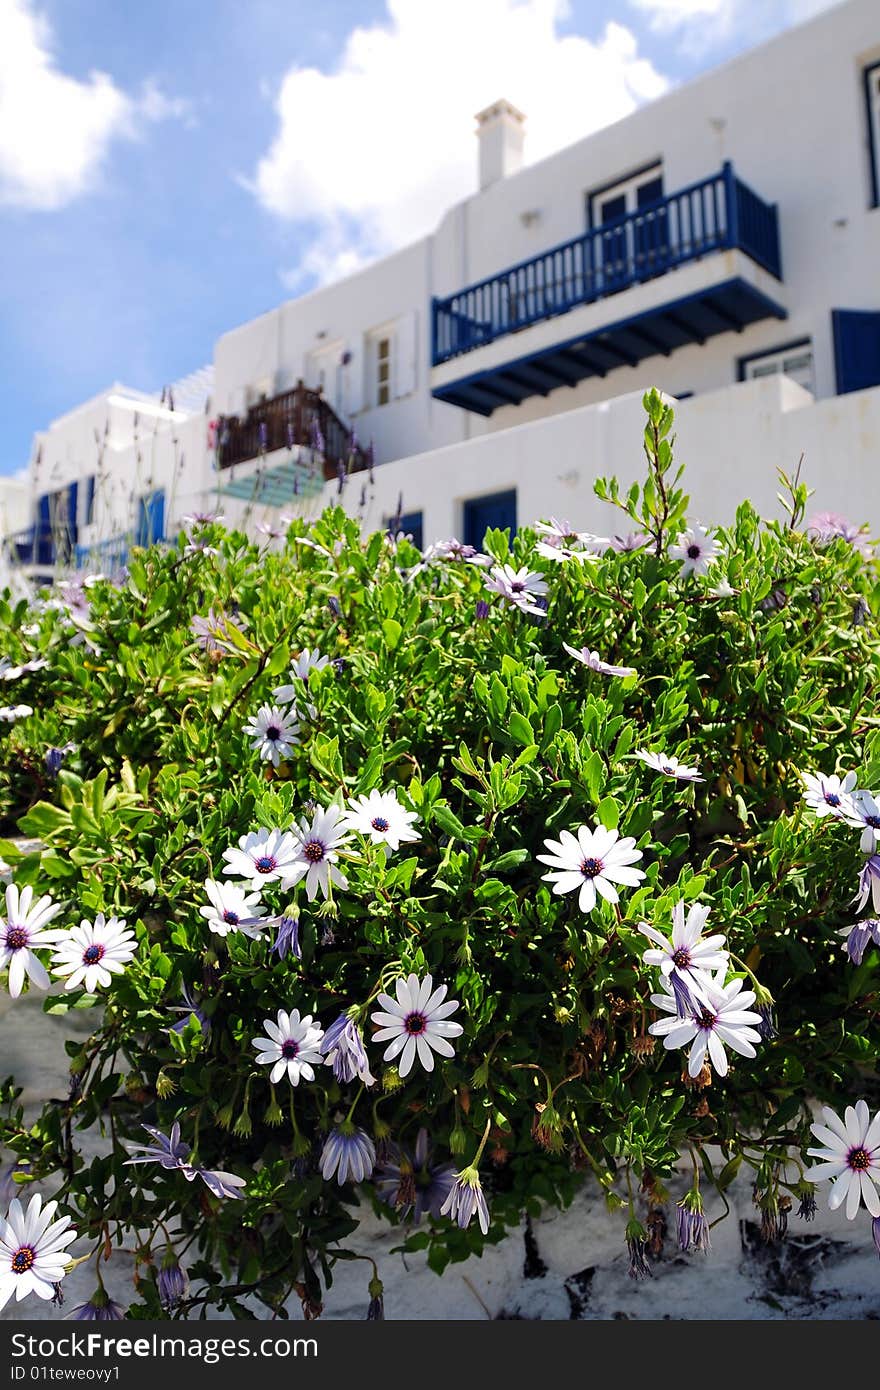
<point>44,549</point>
<point>89,516</point>
<point>412,524</point>
<point>856,348</point>
<point>151,518</point>
<point>497,510</point>
<point>872,102</point>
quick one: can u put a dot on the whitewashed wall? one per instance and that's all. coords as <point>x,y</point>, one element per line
<point>790,115</point>
<point>731,441</point>
<point>566,1265</point>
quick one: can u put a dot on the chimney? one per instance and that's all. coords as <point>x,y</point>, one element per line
<point>500,131</point>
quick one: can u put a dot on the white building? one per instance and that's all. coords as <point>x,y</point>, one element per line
<point>722,243</point>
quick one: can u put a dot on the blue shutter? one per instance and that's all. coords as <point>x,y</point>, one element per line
<point>856,348</point>
<point>498,511</point>
<point>44,550</point>
<point>151,518</point>
<point>412,525</point>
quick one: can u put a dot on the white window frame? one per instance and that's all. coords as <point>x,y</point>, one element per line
<point>627,186</point>
<point>765,364</point>
<point>380,367</point>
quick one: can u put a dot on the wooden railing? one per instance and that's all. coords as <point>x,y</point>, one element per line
<point>297,418</point>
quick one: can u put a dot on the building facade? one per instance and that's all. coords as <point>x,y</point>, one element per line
<point>722,243</point>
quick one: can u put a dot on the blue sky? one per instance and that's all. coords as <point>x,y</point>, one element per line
<point>170,170</point>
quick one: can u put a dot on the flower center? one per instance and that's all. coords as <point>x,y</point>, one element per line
<point>681,957</point>
<point>517,587</point>
<point>314,851</point>
<point>694,552</point>
<point>265,864</point>
<point>873,821</point>
<point>289,1049</point>
<point>591,868</point>
<point>273,733</point>
<point>232,918</point>
<point>667,768</point>
<point>832,798</point>
<point>92,954</point>
<point>379,823</point>
<point>23,1259</point>
<point>859,1160</point>
<point>706,1019</point>
<point>16,938</point>
<point>415,1024</point>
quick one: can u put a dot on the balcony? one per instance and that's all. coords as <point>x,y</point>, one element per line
<point>694,264</point>
<point>296,419</point>
<point>45,546</point>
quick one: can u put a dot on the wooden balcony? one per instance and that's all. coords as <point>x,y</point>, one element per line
<point>300,418</point>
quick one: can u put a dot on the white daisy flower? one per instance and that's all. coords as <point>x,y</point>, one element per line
<point>595,662</point>
<point>560,554</point>
<point>316,852</point>
<point>273,733</point>
<point>686,953</point>
<point>454,549</point>
<point>21,929</point>
<point>302,667</point>
<point>291,1045</point>
<point>32,1246</point>
<point>864,811</point>
<point>9,714</point>
<point>8,672</point>
<point>669,766</point>
<point>562,535</point>
<point>696,550</point>
<point>348,1153</point>
<point>850,1156</point>
<point>721,1016</point>
<point>263,856</point>
<point>830,796</point>
<point>92,953</point>
<point>415,1023</point>
<point>591,861</point>
<point>232,909</point>
<point>520,588</point>
<point>381,817</point>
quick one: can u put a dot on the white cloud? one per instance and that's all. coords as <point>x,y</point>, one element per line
<point>704,23</point>
<point>370,155</point>
<point>55,130</point>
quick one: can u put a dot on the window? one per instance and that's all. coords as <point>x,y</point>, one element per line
<point>89,509</point>
<point>151,518</point>
<point>630,194</point>
<point>634,248</point>
<point>382,378</point>
<point>498,511</point>
<point>409,524</point>
<point>794,360</point>
<point>872,98</point>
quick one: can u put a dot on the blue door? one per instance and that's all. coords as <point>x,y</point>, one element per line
<point>856,348</point>
<point>151,518</point>
<point>44,549</point>
<point>498,510</point>
<point>615,249</point>
<point>651,230</point>
<point>411,524</point>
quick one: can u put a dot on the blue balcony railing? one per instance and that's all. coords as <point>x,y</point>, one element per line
<point>35,545</point>
<point>718,213</point>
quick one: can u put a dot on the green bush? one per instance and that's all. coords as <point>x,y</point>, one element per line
<point>496,738</point>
